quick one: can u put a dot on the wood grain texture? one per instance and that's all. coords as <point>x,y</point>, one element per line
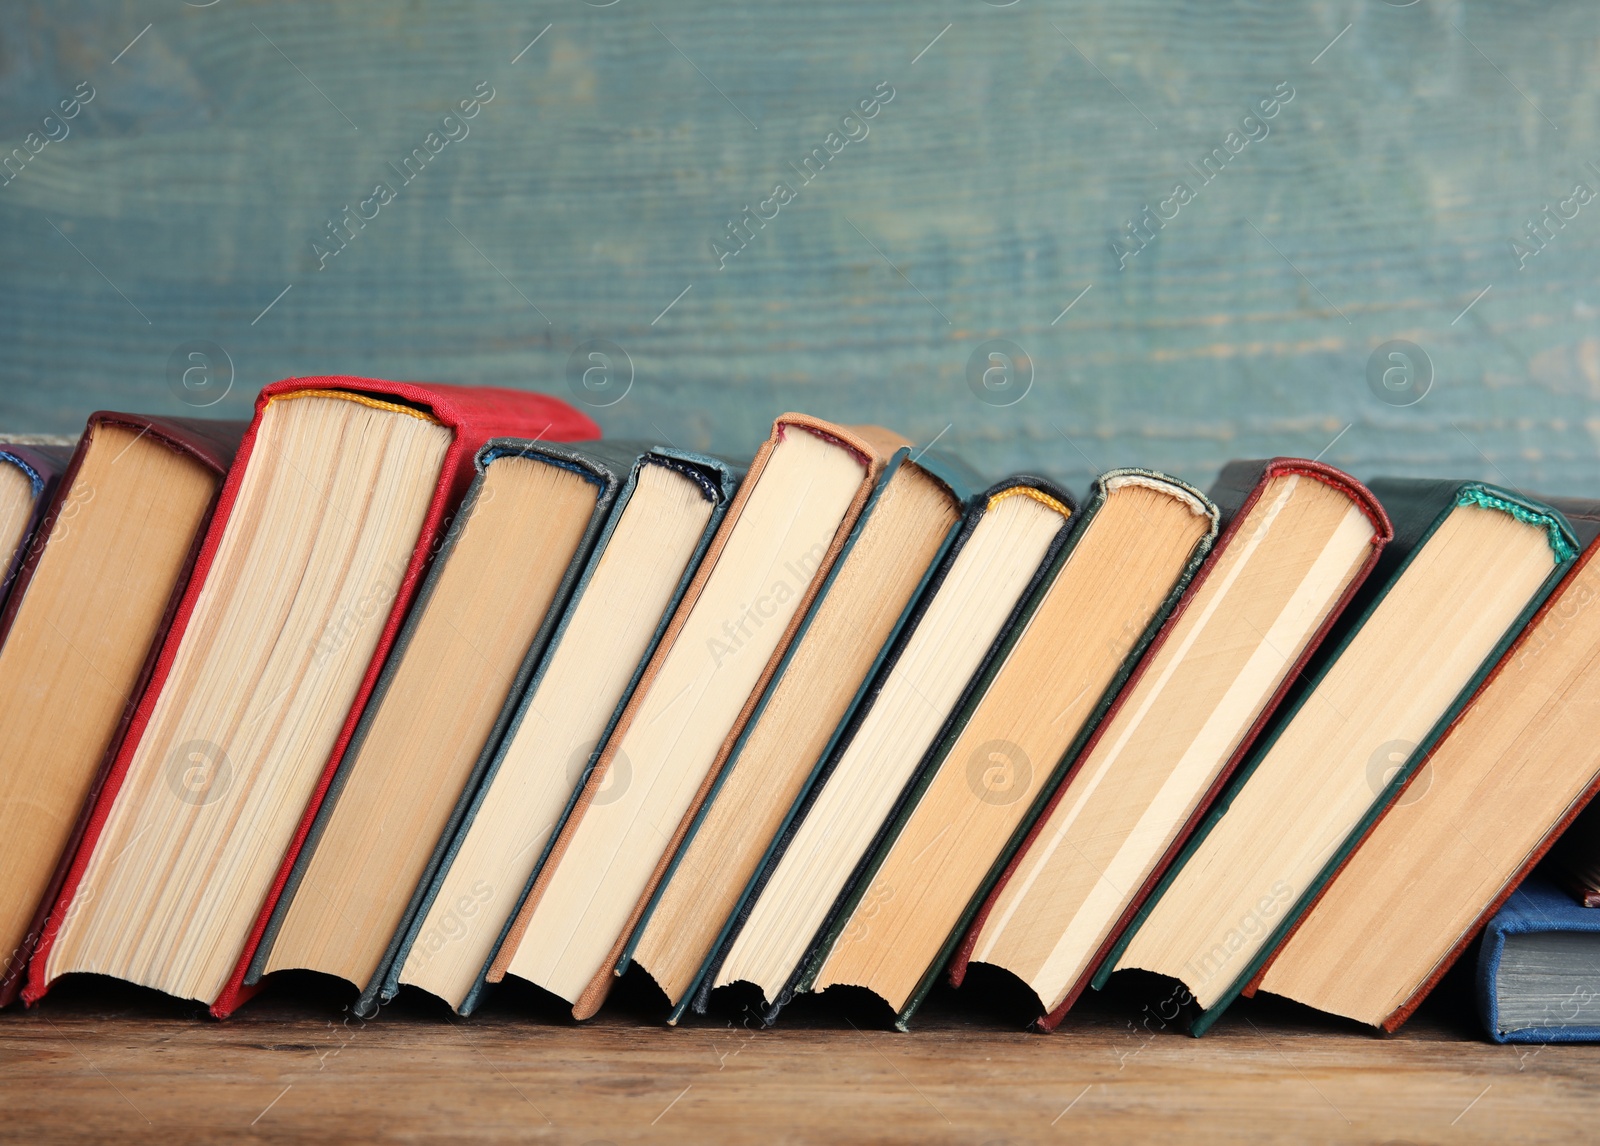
<point>1383,201</point>
<point>96,1061</point>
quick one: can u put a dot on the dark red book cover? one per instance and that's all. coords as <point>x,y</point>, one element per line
<point>1236,492</point>
<point>473,414</point>
<point>212,444</point>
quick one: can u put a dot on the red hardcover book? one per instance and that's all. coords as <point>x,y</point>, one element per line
<point>1298,540</point>
<point>133,482</point>
<point>468,417</point>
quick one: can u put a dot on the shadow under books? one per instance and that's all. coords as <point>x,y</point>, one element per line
<point>990,1003</point>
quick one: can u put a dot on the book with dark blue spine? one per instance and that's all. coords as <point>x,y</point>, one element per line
<point>38,468</point>
<point>1539,968</point>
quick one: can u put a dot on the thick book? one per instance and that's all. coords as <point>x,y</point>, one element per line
<point>93,596</point>
<point>479,627</point>
<point>320,537</point>
<point>1297,540</point>
<point>1138,540</point>
<point>802,496</point>
<point>28,479</point>
<point>1539,969</point>
<point>665,507</point>
<point>869,594</point>
<point>1468,566</point>
<point>1009,538</point>
<point>1505,780</point>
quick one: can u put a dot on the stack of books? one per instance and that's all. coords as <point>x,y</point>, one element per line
<point>420,685</point>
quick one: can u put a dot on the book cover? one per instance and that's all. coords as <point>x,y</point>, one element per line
<point>1572,1012</point>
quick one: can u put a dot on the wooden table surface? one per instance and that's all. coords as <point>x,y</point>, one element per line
<point>100,1060</point>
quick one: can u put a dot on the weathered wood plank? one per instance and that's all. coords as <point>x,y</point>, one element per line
<point>1382,201</point>
<point>101,1062</point>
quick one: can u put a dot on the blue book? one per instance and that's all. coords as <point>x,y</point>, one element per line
<point>1539,968</point>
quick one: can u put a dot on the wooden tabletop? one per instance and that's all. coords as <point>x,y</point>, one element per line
<point>101,1060</point>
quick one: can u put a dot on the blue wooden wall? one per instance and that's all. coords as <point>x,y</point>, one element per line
<point>193,200</point>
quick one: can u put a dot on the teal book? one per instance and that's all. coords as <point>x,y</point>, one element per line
<point>907,526</point>
<point>1468,567</point>
<point>537,524</point>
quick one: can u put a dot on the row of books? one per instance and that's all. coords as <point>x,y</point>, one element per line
<point>419,685</point>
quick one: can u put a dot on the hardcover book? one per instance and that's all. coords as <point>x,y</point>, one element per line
<point>1468,566</point>
<point>804,491</point>
<point>1007,542</point>
<point>479,626</point>
<point>667,506</point>
<point>1539,969</point>
<point>1505,780</point>
<point>1138,539</point>
<point>1297,540</point>
<point>94,592</point>
<point>28,478</point>
<point>865,601</point>
<point>318,542</point>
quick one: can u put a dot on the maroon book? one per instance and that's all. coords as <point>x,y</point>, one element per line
<point>102,502</point>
